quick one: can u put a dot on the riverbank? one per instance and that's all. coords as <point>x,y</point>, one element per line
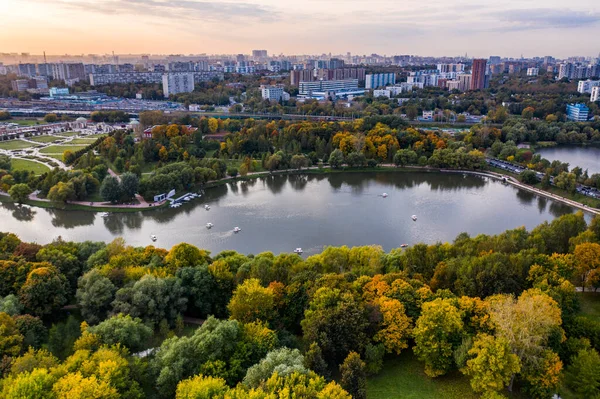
<point>315,170</point>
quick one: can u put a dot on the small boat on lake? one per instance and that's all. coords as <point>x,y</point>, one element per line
<point>207,207</point>
<point>403,245</point>
<point>384,195</point>
<point>414,217</point>
<point>209,225</point>
<point>298,251</point>
<point>236,229</point>
<point>104,214</point>
<point>153,237</point>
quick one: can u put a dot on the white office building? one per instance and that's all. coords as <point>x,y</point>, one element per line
<point>586,86</point>
<point>274,93</point>
<point>382,93</point>
<point>595,94</point>
<point>179,82</point>
<point>533,71</point>
<point>306,88</point>
<point>374,81</point>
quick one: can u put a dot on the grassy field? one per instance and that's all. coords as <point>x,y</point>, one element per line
<point>26,122</point>
<point>59,149</point>
<point>23,164</point>
<point>403,377</point>
<point>590,305</point>
<point>68,134</point>
<point>85,141</point>
<point>14,145</point>
<point>55,156</point>
<point>45,139</point>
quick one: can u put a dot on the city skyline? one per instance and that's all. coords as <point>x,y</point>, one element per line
<point>310,27</point>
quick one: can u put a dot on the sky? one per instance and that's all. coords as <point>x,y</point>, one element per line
<point>434,27</point>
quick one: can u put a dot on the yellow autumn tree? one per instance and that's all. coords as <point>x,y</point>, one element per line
<point>587,263</point>
<point>395,325</point>
<point>251,302</point>
<point>75,386</point>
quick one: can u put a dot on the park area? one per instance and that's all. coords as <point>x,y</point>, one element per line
<point>24,164</point>
<point>59,149</point>
<point>14,145</point>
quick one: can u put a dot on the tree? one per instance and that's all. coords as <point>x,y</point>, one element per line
<point>354,377</point>
<point>76,386</point>
<point>337,322</point>
<point>31,360</point>
<point>50,118</point>
<point>313,360</point>
<point>583,374</point>
<point>395,325</point>
<point>124,330</point>
<point>111,189</point>
<point>283,361</point>
<point>528,177</point>
<point>68,157</point>
<point>94,296</point>
<point>44,292</point>
<point>587,263</point>
<point>438,332</point>
<point>232,171</point>
<point>526,323</point>
<point>491,365</point>
<point>566,181</point>
<point>10,305</point>
<point>35,384</point>
<point>251,302</point>
<point>130,184</point>
<point>336,159</point>
<point>201,387</point>
<point>10,337</point>
<point>33,330</point>
<point>186,255</point>
<point>152,299</point>
<point>299,161</point>
<point>356,160</point>
<point>528,113</point>
<point>20,192</point>
<point>62,192</point>
<point>405,157</point>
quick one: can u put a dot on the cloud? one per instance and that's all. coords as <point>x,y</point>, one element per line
<point>181,10</point>
<point>545,18</point>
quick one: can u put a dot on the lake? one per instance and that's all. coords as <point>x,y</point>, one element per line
<point>586,157</point>
<point>281,213</point>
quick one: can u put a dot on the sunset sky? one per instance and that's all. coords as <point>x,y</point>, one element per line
<point>435,27</point>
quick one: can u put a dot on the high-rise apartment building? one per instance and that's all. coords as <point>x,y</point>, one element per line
<point>478,79</point>
<point>373,81</point>
<point>68,72</point>
<point>595,94</point>
<point>177,82</point>
<point>307,88</point>
<point>27,70</point>
<point>302,75</point>
<point>533,71</point>
<point>577,112</point>
<point>586,86</point>
<point>274,93</point>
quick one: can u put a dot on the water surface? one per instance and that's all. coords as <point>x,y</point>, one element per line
<point>281,213</point>
<point>586,157</point>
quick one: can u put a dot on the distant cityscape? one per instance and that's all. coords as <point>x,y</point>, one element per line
<point>324,77</point>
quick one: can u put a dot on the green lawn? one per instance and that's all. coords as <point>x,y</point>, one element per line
<point>590,305</point>
<point>44,139</point>
<point>14,145</point>
<point>23,164</point>
<point>55,156</point>
<point>403,377</point>
<point>68,134</point>
<point>85,141</point>
<point>59,149</point>
<point>26,122</point>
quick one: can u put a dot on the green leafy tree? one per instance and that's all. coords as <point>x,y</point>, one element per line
<point>62,192</point>
<point>11,339</point>
<point>124,330</point>
<point>354,377</point>
<point>529,177</point>
<point>33,330</point>
<point>130,184</point>
<point>94,296</point>
<point>313,360</point>
<point>44,292</point>
<point>19,192</point>
<point>583,375</point>
<point>438,332</point>
<point>336,159</point>
<point>232,172</point>
<point>111,189</point>
<point>283,361</point>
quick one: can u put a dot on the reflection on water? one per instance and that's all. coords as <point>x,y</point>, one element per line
<point>280,213</point>
<point>586,157</point>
